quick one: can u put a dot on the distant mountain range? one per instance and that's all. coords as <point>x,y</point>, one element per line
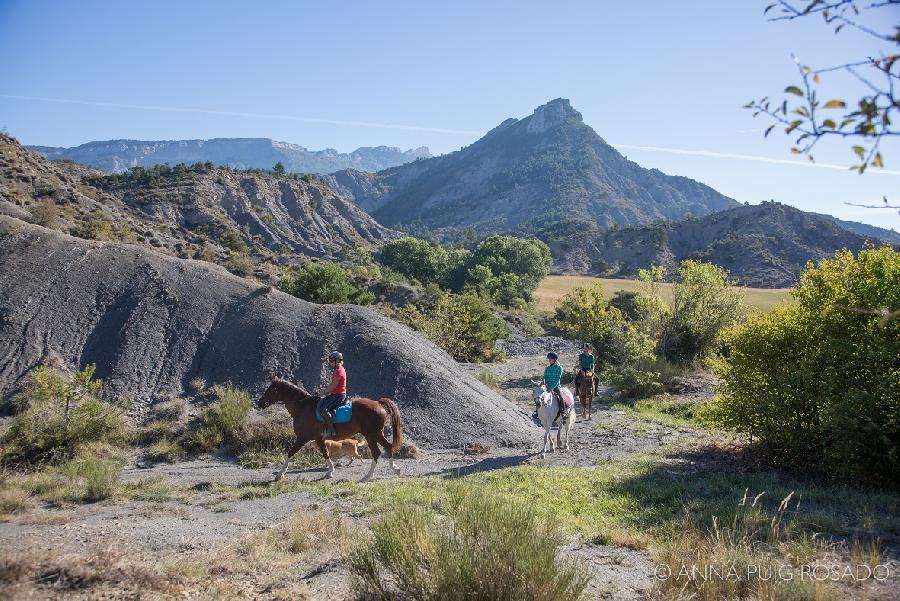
<point>199,213</point>
<point>864,229</point>
<point>115,156</point>
<point>525,172</point>
<point>765,245</point>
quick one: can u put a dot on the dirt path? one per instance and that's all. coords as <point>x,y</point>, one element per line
<point>203,521</point>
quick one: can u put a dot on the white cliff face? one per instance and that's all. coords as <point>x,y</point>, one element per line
<point>550,115</point>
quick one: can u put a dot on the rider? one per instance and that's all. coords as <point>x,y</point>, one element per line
<point>586,362</point>
<point>335,393</point>
<point>553,375</point>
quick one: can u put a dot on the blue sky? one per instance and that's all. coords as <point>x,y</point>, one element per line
<point>656,78</point>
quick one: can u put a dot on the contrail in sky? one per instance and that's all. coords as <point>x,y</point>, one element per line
<point>748,157</point>
<point>437,130</point>
<point>172,109</point>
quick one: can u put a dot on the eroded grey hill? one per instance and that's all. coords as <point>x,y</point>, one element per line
<point>151,323</point>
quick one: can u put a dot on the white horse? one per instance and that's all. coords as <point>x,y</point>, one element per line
<point>548,406</point>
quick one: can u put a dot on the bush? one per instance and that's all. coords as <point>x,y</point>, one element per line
<point>58,416</point>
<point>44,213</point>
<point>704,303</point>
<point>324,283</point>
<point>489,547</point>
<point>220,422</point>
<point>96,468</point>
<point>462,324</point>
<point>165,449</point>
<point>415,259</point>
<point>817,382</point>
<point>232,240</point>
<point>532,328</point>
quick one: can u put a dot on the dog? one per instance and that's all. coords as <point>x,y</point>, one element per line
<point>349,447</point>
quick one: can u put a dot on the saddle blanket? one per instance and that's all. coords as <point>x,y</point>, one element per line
<point>568,398</point>
<point>342,414</point>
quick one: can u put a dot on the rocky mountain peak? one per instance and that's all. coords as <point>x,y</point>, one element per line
<point>554,113</point>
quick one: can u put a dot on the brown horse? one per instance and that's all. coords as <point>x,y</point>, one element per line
<point>369,418</point>
<point>586,391</point>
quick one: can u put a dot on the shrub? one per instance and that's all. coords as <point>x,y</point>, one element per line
<point>239,265</point>
<point>704,303</point>
<point>97,468</point>
<point>44,213</point>
<point>324,283</point>
<point>488,547</point>
<point>262,440</point>
<point>817,382</point>
<point>232,240</point>
<point>57,416</point>
<point>532,328</point>
<point>170,411</point>
<point>221,422</point>
<point>165,449</point>
<point>461,324</point>
<point>488,379</point>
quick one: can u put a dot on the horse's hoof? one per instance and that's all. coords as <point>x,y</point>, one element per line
<point>543,455</point>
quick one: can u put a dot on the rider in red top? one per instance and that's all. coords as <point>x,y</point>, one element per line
<point>335,393</point>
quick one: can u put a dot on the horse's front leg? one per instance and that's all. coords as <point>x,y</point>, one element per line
<point>546,438</point>
<point>298,444</point>
<point>324,450</point>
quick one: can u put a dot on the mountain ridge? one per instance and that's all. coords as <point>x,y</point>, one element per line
<point>548,164</point>
<point>116,156</point>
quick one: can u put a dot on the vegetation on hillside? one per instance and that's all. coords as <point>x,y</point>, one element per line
<point>505,268</point>
<point>635,335</point>
<point>324,283</point>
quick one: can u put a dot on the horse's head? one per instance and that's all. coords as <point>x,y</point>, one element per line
<point>270,396</point>
<point>539,392</point>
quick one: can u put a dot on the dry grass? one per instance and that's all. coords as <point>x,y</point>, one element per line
<point>554,287</point>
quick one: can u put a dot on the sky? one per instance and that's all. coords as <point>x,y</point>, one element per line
<point>662,81</point>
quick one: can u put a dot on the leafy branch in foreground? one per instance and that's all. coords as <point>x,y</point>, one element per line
<point>813,116</point>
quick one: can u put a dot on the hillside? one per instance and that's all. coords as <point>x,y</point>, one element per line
<point>525,172</point>
<point>865,230</point>
<point>763,246</point>
<point>201,212</point>
<point>151,323</point>
<point>116,156</point>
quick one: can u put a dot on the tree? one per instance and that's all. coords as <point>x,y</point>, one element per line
<point>818,384</point>
<point>812,115</point>
<point>704,303</point>
<point>324,283</point>
<point>415,259</point>
<point>278,168</point>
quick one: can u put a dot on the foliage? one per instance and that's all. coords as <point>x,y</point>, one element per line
<point>96,467</point>
<point>506,268</point>
<point>415,259</point>
<point>461,324</point>
<point>279,168</point>
<point>324,283</point>
<point>222,421</point>
<point>532,328</point>
<point>58,416</point>
<point>624,352</point>
<point>149,176</point>
<point>704,303</point>
<point>232,240</point>
<point>488,547</point>
<point>812,115</point>
<point>818,382</point>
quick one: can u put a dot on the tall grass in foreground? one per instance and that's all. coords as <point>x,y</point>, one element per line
<point>481,546</point>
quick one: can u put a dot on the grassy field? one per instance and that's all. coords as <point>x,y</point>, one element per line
<point>554,287</point>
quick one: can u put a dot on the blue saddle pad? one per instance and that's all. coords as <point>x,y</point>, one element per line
<point>342,414</point>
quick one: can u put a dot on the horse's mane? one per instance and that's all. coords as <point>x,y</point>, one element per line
<point>295,388</point>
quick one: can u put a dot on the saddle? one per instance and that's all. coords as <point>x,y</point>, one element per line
<point>342,413</point>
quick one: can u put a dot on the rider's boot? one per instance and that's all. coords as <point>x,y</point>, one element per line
<point>328,430</point>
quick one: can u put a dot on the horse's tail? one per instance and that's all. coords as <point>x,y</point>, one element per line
<point>397,434</point>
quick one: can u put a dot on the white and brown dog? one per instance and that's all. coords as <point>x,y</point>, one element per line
<point>348,447</point>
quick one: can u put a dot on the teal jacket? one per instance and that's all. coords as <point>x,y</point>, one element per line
<point>586,360</point>
<point>552,375</point>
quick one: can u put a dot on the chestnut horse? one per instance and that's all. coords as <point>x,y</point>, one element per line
<point>586,390</point>
<point>369,418</point>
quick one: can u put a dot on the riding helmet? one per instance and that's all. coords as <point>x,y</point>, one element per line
<point>335,356</point>
<point>552,355</point>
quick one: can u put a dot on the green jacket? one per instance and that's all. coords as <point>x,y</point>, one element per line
<point>586,360</point>
<point>552,375</point>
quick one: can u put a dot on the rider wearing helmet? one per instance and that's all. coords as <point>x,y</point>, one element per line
<point>586,362</point>
<point>335,393</point>
<point>552,377</point>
